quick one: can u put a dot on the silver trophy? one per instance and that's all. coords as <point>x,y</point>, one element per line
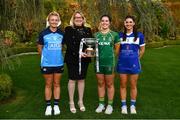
<point>90,42</point>
<point>91,50</point>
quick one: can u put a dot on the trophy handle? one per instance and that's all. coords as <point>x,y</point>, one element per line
<point>83,40</point>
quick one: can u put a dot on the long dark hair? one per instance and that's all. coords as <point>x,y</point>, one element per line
<point>134,29</point>
<point>105,15</point>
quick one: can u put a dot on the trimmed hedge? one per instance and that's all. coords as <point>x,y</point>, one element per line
<point>154,44</point>
<point>172,42</point>
<point>163,43</point>
<point>24,50</point>
<point>6,85</point>
<point>18,50</point>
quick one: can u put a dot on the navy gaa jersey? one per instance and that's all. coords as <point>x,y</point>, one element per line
<point>128,60</point>
<point>52,48</point>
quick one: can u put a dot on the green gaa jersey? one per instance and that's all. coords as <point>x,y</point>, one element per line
<point>106,44</point>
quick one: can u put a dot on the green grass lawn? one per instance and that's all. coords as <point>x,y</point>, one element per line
<point>158,90</point>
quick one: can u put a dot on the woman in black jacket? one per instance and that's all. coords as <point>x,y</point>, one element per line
<point>72,38</point>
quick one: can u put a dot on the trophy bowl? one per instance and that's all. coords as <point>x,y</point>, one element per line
<point>90,42</point>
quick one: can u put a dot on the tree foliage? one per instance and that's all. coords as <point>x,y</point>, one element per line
<point>22,16</point>
<point>27,17</point>
<point>153,18</point>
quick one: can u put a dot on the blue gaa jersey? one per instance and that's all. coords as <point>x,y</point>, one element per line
<point>52,48</point>
<point>128,60</point>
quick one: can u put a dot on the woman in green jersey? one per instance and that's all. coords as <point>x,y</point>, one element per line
<point>108,43</point>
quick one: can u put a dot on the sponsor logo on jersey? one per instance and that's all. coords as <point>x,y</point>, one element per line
<point>104,43</point>
<point>54,46</point>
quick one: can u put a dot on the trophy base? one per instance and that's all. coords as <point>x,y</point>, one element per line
<point>90,53</point>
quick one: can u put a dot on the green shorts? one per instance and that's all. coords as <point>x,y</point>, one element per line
<point>107,70</point>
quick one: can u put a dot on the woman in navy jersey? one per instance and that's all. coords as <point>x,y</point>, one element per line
<point>132,48</point>
<point>50,49</point>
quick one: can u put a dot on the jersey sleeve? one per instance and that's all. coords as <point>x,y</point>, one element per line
<point>120,35</point>
<point>141,40</point>
<point>40,39</point>
<point>61,33</point>
<point>116,38</point>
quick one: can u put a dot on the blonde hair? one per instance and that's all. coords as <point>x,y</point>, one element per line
<point>54,13</point>
<point>73,16</point>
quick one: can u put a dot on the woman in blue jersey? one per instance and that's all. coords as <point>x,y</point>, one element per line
<point>50,49</point>
<point>132,48</point>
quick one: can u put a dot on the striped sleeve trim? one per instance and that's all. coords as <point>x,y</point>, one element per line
<point>143,44</point>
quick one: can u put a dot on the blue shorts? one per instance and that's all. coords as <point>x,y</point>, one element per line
<point>125,69</point>
<point>51,70</point>
<point>128,64</point>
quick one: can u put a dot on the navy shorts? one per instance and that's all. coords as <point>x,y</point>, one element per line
<point>51,70</point>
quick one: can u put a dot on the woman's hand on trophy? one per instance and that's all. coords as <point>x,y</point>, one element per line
<point>83,54</point>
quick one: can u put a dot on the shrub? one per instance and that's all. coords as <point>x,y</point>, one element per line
<point>157,38</point>
<point>6,85</point>
<point>25,45</point>
<point>10,37</point>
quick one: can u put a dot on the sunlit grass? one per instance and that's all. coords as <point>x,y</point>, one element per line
<point>158,90</point>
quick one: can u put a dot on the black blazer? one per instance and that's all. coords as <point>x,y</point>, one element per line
<point>72,38</point>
